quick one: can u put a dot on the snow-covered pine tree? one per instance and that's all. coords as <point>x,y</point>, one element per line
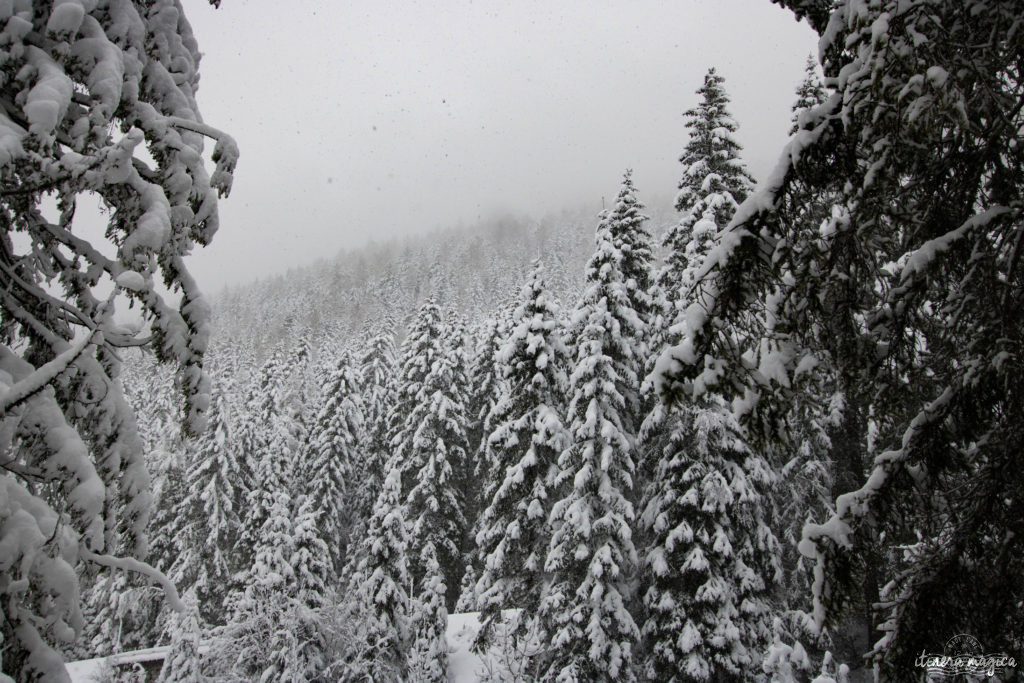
<point>273,434</point>
<point>434,502</point>
<point>527,439</point>
<point>467,589</point>
<point>299,395</point>
<point>272,633</point>
<point>912,292</point>
<point>484,390</point>
<point>626,226</point>
<point>712,559</point>
<point>809,94</point>
<point>420,352</point>
<point>253,435</point>
<point>382,580</point>
<point>645,297</point>
<point>169,489</point>
<point>715,182</point>
<point>122,612</point>
<point>272,568</point>
<point>334,455</point>
<point>182,663</point>
<point>429,443</point>
<point>301,391</point>
<point>459,392</point>
<point>274,638</point>
<point>376,377</point>
<point>591,556</point>
<point>79,124</point>
<point>311,556</point>
<point>149,389</point>
<point>709,555</point>
<point>428,656</point>
<point>627,232</point>
<point>207,517</point>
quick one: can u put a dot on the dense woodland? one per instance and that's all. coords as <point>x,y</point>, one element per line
<point>772,433</point>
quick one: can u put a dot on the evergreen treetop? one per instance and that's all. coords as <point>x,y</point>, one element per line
<point>714,183</point>
<point>809,94</point>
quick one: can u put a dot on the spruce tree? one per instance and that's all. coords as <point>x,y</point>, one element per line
<point>311,556</point>
<point>272,568</point>
<point>420,352</point>
<point>459,391</point>
<point>434,502</point>
<point>712,558</point>
<point>429,443</point>
<point>625,223</point>
<point>626,226</point>
<point>262,469</point>
<point>376,379</point>
<point>910,292</point>
<point>483,472</point>
<point>485,389</point>
<point>334,457</point>
<point>382,580</point>
<point>274,433</point>
<point>182,663</point>
<point>428,657</point>
<point>99,101</point>
<point>809,94</point>
<point>525,444</point>
<point>713,185</point>
<point>272,633</point>
<point>170,488</point>
<point>208,515</point>
<point>708,552</point>
<point>591,555</point>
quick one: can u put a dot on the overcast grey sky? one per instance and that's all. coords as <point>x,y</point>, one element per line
<point>363,121</point>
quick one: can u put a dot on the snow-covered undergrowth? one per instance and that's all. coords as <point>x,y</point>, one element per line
<point>463,665</point>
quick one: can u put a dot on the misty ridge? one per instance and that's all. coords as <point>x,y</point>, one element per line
<point>474,269</point>
<point>738,426</point>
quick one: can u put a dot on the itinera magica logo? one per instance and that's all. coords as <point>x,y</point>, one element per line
<point>964,655</point>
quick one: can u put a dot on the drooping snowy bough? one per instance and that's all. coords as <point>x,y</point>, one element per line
<point>97,103</point>
<point>909,295</point>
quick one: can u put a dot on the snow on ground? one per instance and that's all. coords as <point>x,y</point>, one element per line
<point>84,670</point>
<point>463,665</point>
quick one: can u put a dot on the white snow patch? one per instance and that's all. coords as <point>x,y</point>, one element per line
<point>66,17</point>
<point>937,76</point>
<point>132,280</point>
<point>463,665</point>
<point>48,99</point>
<point>10,140</point>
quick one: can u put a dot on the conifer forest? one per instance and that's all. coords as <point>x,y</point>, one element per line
<point>772,430</point>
